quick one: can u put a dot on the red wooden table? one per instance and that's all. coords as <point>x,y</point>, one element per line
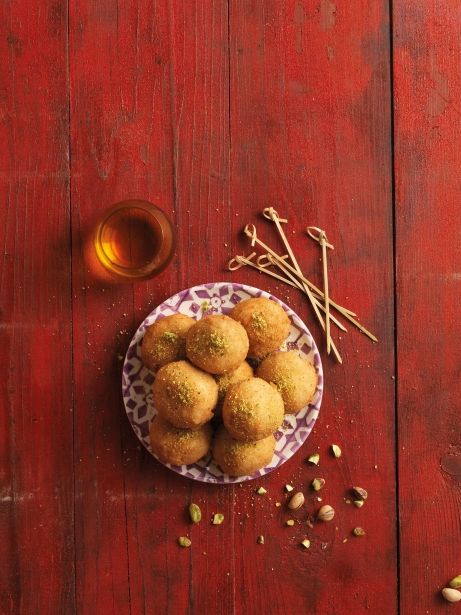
<point>341,114</point>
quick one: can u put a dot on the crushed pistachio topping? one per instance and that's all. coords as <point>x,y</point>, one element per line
<point>180,392</point>
<point>213,343</point>
<point>169,336</point>
<point>242,413</point>
<point>258,322</point>
<point>284,384</point>
<point>167,345</point>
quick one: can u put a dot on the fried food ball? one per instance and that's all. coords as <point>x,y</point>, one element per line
<point>241,458</point>
<point>217,344</point>
<point>294,377</point>
<point>265,322</point>
<point>179,446</point>
<point>243,372</point>
<point>184,395</point>
<point>252,410</point>
<point>165,341</point>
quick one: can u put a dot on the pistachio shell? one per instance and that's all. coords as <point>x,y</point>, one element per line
<point>296,501</point>
<point>451,595</point>
<point>326,513</point>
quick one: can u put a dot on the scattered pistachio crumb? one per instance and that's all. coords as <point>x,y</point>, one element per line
<point>289,488</point>
<point>314,459</point>
<point>360,493</point>
<point>358,503</point>
<point>336,450</point>
<point>261,491</point>
<point>278,504</point>
<point>345,539</point>
<point>347,501</point>
<point>183,541</point>
<point>358,531</point>
<point>260,540</point>
<point>195,513</point>
<point>290,522</point>
<point>218,518</point>
<point>455,583</point>
<point>306,543</point>
<point>318,484</point>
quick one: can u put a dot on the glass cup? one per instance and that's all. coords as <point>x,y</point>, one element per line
<point>132,241</point>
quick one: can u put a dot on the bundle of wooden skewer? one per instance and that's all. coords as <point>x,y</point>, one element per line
<point>285,267</point>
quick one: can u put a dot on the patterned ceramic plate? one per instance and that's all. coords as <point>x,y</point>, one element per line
<point>200,301</point>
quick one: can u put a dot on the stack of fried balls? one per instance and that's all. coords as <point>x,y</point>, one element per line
<point>208,396</point>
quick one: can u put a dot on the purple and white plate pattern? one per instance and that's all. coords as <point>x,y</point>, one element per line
<point>199,301</point>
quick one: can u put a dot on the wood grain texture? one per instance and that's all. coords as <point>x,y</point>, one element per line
<point>149,120</point>
<point>36,465</point>
<point>427,69</point>
<point>310,136</point>
<point>213,110</point>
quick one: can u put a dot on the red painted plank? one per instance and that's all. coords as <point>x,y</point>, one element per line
<point>310,135</point>
<point>427,68</point>
<point>36,476</point>
<point>149,104</point>
<point>195,54</point>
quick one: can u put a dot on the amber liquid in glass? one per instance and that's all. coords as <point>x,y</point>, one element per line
<point>133,240</point>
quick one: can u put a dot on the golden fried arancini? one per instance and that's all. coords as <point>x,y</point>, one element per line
<point>243,372</point>
<point>252,410</point>
<point>179,446</point>
<point>217,344</point>
<point>241,458</point>
<point>165,341</point>
<point>184,395</point>
<point>294,377</point>
<point>265,322</point>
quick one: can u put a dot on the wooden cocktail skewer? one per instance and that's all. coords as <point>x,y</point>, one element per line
<point>315,291</point>
<point>294,282</point>
<point>312,286</point>
<point>240,261</point>
<point>281,263</point>
<point>321,238</point>
<point>250,231</point>
<point>350,316</point>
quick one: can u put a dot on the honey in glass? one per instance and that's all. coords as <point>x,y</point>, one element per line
<point>132,241</point>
